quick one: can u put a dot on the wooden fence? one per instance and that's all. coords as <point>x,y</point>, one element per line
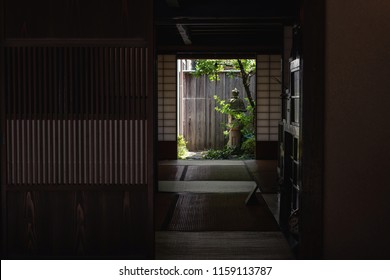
<point>201,125</point>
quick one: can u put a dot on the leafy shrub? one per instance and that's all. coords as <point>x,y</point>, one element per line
<point>181,147</point>
<point>248,146</point>
<point>244,120</point>
<point>225,153</point>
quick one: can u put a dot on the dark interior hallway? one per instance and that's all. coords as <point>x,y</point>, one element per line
<point>201,213</point>
<point>79,122</point>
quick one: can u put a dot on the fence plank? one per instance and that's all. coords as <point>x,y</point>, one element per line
<point>202,126</point>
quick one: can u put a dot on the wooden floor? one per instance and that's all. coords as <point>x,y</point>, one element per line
<point>220,245</point>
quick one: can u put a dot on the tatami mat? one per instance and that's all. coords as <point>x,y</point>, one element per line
<point>206,186</point>
<point>201,162</point>
<point>222,245</point>
<point>225,212</point>
<point>217,173</point>
<point>203,173</point>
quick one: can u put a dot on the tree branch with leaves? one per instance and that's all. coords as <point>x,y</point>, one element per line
<point>244,68</point>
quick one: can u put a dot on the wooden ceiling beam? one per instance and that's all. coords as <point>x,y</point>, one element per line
<point>214,49</point>
<point>235,21</point>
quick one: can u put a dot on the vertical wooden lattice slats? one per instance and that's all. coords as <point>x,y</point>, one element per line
<point>76,115</point>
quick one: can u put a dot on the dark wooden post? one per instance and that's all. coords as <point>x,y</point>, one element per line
<point>2,133</point>
<point>313,35</point>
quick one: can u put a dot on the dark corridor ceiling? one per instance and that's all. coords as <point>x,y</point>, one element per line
<point>222,24</point>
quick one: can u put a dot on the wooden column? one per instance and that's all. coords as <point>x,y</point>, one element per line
<point>311,220</point>
<point>2,133</point>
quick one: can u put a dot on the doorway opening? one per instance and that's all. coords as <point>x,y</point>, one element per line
<point>216,108</point>
<point>219,28</point>
<point>204,196</point>
<point>187,107</point>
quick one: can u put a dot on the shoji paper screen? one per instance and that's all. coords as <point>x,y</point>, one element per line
<point>268,96</point>
<point>167,98</point>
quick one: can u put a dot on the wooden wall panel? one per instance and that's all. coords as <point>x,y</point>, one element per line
<point>167,150</point>
<point>77,127</point>
<point>77,224</point>
<point>267,150</point>
<point>62,128</point>
<point>77,121</point>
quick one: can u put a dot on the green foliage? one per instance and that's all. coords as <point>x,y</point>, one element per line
<point>212,67</point>
<point>248,146</point>
<point>244,68</point>
<point>225,153</point>
<point>249,65</point>
<point>209,67</point>
<point>181,147</point>
<point>244,120</point>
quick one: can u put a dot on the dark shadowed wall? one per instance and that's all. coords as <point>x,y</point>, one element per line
<point>357,99</point>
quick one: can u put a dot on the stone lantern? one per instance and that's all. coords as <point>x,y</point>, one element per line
<point>237,105</point>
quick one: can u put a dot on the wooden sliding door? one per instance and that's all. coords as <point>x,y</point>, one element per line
<point>78,148</point>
